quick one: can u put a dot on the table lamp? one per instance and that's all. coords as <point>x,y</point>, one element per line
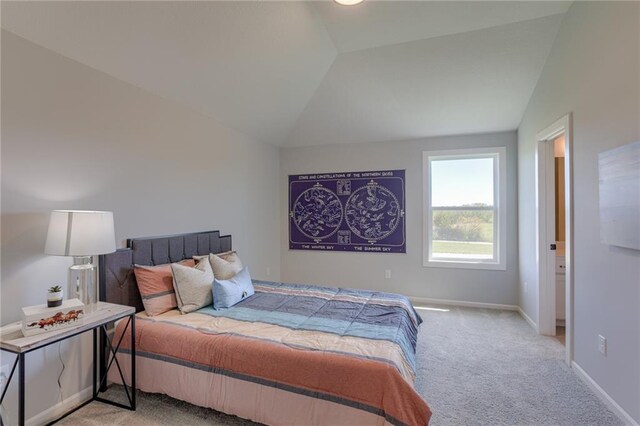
<point>81,234</point>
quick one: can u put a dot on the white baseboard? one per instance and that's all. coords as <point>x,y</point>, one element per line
<point>60,408</point>
<point>604,397</point>
<point>528,319</point>
<point>463,303</point>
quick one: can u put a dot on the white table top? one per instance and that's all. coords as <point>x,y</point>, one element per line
<point>12,340</point>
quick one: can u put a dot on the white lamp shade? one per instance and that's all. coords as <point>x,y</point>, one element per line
<point>80,233</point>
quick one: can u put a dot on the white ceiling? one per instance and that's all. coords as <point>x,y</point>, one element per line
<point>381,23</point>
<point>472,82</point>
<point>296,73</point>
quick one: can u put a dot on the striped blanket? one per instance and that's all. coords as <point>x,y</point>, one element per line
<point>347,356</point>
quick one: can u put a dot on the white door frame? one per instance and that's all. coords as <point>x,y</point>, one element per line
<point>545,227</point>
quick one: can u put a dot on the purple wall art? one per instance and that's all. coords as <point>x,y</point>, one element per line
<point>356,211</point>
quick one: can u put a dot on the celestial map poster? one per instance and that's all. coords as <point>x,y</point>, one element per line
<point>356,211</point>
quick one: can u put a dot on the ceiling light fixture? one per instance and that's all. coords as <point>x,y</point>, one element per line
<point>348,2</point>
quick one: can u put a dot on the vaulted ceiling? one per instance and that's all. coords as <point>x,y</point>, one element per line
<point>309,73</point>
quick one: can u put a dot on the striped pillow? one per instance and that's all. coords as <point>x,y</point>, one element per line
<point>156,287</point>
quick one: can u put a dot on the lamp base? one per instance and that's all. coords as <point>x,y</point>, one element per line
<point>83,281</point>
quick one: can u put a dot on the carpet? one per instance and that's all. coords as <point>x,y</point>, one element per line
<point>475,367</point>
<point>489,367</point>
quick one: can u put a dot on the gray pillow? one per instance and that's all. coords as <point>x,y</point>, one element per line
<point>192,285</point>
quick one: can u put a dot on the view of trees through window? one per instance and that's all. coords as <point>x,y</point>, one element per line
<point>463,232</point>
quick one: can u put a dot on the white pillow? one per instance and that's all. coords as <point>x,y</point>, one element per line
<point>225,265</point>
<point>192,286</point>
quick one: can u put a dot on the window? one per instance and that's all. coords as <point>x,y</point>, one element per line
<point>464,208</point>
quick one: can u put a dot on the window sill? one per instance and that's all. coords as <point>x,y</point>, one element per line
<point>454,264</point>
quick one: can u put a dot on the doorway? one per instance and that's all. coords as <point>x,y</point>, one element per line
<point>555,233</point>
<point>560,235</point>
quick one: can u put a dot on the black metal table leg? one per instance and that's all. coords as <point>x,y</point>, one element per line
<point>113,350</point>
<point>21,392</point>
<point>133,362</point>
<point>95,362</point>
<point>103,356</point>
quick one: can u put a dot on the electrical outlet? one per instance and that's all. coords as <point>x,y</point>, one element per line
<point>602,344</point>
<point>387,273</point>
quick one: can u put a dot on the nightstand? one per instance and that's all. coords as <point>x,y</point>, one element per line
<point>12,340</point>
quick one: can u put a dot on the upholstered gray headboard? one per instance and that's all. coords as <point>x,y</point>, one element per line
<point>117,280</point>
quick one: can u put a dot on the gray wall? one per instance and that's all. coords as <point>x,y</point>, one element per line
<point>75,138</point>
<point>409,277</point>
<point>593,71</point>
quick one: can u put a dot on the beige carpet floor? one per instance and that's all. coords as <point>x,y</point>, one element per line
<point>475,367</point>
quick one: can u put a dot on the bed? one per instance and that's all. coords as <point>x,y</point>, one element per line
<point>289,354</point>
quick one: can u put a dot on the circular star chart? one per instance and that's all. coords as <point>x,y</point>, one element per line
<point>317,213</point>
<point>372,212</point>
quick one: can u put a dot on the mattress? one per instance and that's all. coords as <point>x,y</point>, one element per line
<point>290,354</point>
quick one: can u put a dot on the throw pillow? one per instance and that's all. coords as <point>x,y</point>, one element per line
<point>192,285</point>
<point>155,284</point>
<point>225,265</point>
<point>227,293</point>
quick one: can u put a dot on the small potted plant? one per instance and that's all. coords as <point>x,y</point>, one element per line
<point>54,298</point>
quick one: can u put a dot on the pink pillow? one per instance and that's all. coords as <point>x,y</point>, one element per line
<point>156,287</point>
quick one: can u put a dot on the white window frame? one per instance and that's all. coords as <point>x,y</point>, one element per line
<point>499,201</point>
